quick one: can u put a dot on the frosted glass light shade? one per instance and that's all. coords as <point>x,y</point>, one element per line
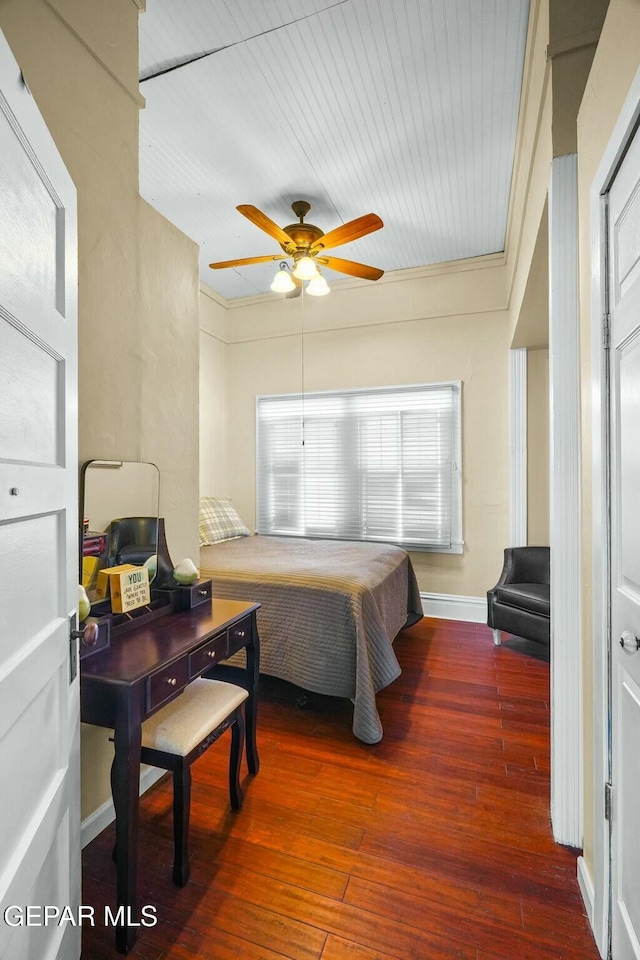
<point>282,282</point>
<point>305,269</point>
<point>318,287</point>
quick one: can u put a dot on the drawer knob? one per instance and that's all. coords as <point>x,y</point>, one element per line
<point>171,681</point>
<point>212,654</point>
<point>203,593</point>
<point>240,634</point>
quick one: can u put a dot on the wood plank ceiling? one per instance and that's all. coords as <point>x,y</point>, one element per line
<point>404,108</point>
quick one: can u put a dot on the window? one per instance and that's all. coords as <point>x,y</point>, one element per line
<point>380,464</point>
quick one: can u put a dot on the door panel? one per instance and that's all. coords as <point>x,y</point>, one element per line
<point>34,774</point>
<point>42,880</point>
<point>29,239</point>
<point>629,378</point>
<point>39,701</point>
<point>627,244</point>
<point>29,557</point>
<point>624,373</point>
<point>629,809</point>
<point>30,427</point>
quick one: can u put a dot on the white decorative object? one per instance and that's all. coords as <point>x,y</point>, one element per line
<point>185,572</point>
<point>84,604</point>
<point>152,566</point>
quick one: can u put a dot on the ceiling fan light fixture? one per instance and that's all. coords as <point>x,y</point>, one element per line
<point>318,287</point>
<point>306,269</point>
<point>282,282</point>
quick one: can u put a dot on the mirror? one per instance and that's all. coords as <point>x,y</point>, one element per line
<point>120,501</point>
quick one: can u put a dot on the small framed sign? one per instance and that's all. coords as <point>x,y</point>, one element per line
<point>130,590</point>
<point>127,585</point>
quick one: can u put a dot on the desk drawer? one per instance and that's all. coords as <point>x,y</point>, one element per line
<point>208,655</point>
<point>195,594</point>
<point>164,684</point>
<point>239,635</point>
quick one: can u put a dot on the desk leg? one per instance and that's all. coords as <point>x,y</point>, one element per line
<point>251,705</point>
<point>125,778</point>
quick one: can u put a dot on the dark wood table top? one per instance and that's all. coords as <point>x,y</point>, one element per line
<point>133,656</point>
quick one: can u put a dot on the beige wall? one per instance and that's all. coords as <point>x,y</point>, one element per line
<point>538,447</point>
<point>447,324</point>
<point>532,323</point>
<point>138,275</point>
<point>615,64</point>
<point>574,30</point>
<point>214,414</point>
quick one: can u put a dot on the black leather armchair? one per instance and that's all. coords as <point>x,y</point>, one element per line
<point>520,601</point>
<point>132,540</point>
<point>135,540</point>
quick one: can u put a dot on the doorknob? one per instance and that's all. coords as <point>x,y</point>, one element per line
<point>629,642</point>
<point>88,637</point>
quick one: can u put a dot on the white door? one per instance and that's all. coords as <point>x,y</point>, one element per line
<point>624,300</point>
<point>39,704</point>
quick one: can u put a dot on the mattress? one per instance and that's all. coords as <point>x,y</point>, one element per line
<point>330,612</point>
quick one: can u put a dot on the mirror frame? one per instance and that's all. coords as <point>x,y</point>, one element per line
<point>164,569</point>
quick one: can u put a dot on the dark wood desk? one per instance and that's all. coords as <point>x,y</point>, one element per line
<point>138,674</point>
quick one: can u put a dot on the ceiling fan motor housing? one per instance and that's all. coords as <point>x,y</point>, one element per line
<point>304,235</point>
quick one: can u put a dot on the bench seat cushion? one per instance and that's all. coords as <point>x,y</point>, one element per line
<point>185,722</point>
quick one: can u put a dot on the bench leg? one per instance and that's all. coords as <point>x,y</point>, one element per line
<point>181,809</point>
<point>497,637</point>
<point>235,756</point>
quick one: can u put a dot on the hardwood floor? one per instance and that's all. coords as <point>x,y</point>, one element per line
<point>433,844</point>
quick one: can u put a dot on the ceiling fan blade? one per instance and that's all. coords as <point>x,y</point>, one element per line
<point>262,220</point>
<point>348,231</point>
<point>223,264</point>
<point>351,267</point>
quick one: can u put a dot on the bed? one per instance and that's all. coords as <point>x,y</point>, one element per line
<point>330,612</point>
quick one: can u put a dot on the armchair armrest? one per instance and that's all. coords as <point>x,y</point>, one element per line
<point>525,565</point>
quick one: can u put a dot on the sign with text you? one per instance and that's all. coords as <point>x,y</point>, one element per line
<point>127,585</point>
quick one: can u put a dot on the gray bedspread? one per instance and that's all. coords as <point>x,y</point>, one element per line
<point>330,612</point>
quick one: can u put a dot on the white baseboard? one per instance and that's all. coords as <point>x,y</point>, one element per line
<point>96,822</point>
<point>586,888</point>
<point>587,891</point>
<point>447,606</point>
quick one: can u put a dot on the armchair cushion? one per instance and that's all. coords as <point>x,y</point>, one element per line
<point>533,597</point>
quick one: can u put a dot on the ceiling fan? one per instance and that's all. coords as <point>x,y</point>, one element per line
<point>305,242</point>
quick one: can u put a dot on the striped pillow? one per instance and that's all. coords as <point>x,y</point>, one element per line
<point>219,521</point>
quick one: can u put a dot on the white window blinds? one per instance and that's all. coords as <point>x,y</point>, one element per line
<point>379,464</point>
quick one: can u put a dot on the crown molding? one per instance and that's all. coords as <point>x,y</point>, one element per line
<point>487,261</point>
<point>215,296</point>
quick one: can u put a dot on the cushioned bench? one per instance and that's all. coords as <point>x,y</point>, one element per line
<point>179,733</point>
